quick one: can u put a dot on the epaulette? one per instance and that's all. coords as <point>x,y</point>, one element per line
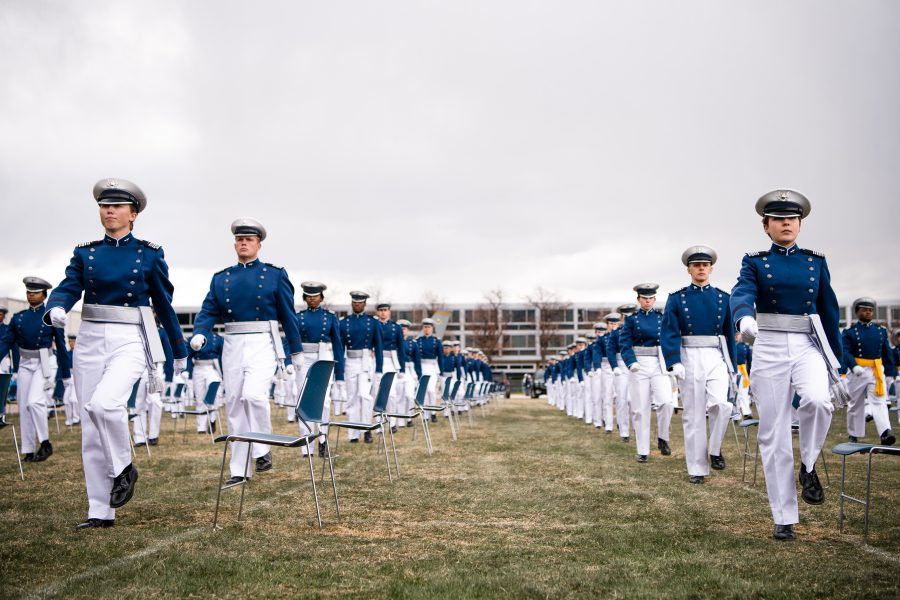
<point>812,252</point>
<point>721,291</point>
<point>759,253</point>
<point>89,244</point>
<point>678,291</point>
<point>151,245</point>
<point>273,266</point>
<point>220,272</point>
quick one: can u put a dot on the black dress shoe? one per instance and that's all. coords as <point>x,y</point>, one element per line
<point>626,439</point>
<point>812,490</point>
<point>213,426</point>
<point>367,437</point>
<point>394,429</point>
<point>696,479</point>
<point>140,444</point>
<point>869,418</point>
<point>234,479</point>
<point>887,438</point>
<point>264,463</point>
<point>853,439</point>
<point>717,462</point>
<point>3,422</point>
<point>92,523</point>
<point>153,441</point>
<point>29,457</point>
<point>784,532</point>
<point>663,446</point>
<point>323,450</point>
<point>434,418</point>
<point>642,458</point>
<point>44,451</point>
<point>123,487</point>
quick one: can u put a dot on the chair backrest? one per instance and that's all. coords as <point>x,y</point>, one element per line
<point>5,378</point>
<point>179,389</point>
<point>210,398</point>
<point>423,389</point>
<point>384,392</point>
<point>446,395</point>
<point>312,397</point>
<point>455,389</point>
<point>470,390</point>
<point>132,399</point>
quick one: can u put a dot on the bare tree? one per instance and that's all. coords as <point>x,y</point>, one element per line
<point>488,323</point>
<point>431,303</point>
<point>550,312</point>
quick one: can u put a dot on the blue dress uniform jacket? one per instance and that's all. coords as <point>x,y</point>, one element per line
<point>124,272</point>
<point>743,355</point>
<point>322,325</point>
<point>643,328</point>
<point>579,365</point>
<point>613,348</point>
<point>392,339</point>
<point>363,332</point>
<point>212,350</point>
<point>869,341</point>
<point>788,281</point>
<point>427,348</point>
<point>695,310</point>
<point>256,291</point>
<point>406,349</point>
<point>596,352</point>
<point>169,363</point>
<point>28,331</point>
<point>486,371</point>
<point>14,363</point>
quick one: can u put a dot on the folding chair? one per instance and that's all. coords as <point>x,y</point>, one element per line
<point>381,400</point>
<point>312,399</point>
<point>846,449</point>
<point>469,402</point>
<point>173,402</point>
<point>444,405</point>
<point>207,407</point>
<point>746,425</point>
<point>132,402</point>
<point>417,412</point>
<point>59,389</point>
<point>4,392</point>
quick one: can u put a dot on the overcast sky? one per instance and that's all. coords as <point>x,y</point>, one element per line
<point>454,147</point>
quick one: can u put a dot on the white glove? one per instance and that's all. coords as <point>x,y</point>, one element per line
<point>749,327</point>
<point>58,317</point>
<point>678,371</point>
<point>49,385</point>
<point>198,341</point>
<point>67,382</point>
<point>185,376</point>
<point>289,370</point>
<point>339,391</point>
<point>618,372</point>
<point>858,370</point>
<point>401,375</point>
<point>178,366</point>
<point>297,360</point>
<point>634,367</point>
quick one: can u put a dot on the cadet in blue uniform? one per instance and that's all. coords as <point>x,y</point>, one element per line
<point>361,334</point>
<point>797,345</point>
<point>639,343</point>
<point>119,276</point>
<point>204,368</point>
<point>697,341</point>
<point>409,380</point>
<point>394,360</point>
<point>614,322</point>
<point>321,340</point>
<point>36,376</point>
<point>426,357</point>
<point>252,298</point>
<point>868,356</point>
<point>591,382</point>
<point>743,356</point>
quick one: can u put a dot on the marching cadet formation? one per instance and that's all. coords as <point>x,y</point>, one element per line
<point>774,341</point>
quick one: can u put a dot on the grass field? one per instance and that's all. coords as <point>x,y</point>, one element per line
<point>528,503</point>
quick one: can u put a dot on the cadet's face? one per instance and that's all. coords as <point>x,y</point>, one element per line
<point>865,314</point>
<point>405,330</point>
<point>247,246</point>
<point>427,329</point>
<point>783,230</point>
<point>71,344</point>
<point>700,272</point>
<point>2,316</point>
<point>612,326</point>
<point>117,218</point>
<point>34,298</point>
<point>358,307</point>
<point>384,314</point>
<point>646,303</point>
<point>313,301</point>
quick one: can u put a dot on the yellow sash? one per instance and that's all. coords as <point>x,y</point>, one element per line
<point>876,365</point>
<point>745,376</point>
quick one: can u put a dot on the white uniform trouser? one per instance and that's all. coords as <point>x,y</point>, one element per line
<point>651,380</point>
<point>33,402</point>
<point>430,367</point>
<point>570,396</point>
<point>70,403</point>
<point>623,404</point>
<point>358,375</point>
<point>108,359</point>
<point>592,398</point>
<point>287,392</point>
<point>862,390</point>
<point>784,363</point>
<point>248,361</point>
<point>743,396</point>
<point>580,396</point>
<point>148,407</point>
<point>309,359</point>
<point>203,376</point>
<point>409,388</point>
<point>395,400</point>
<point>607,398</point>
<point>705,388</point>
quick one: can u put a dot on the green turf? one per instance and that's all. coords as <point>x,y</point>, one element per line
<point>527,504</point>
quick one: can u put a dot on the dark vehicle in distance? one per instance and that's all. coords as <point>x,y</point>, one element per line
<point>538,386</point>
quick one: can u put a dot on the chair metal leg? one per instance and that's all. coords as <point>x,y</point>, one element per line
<point>219,494</point>
<point>425,432</point>
<point>56,416</point>
<point>868,499</point>
<point>450,421</point>
<point>471,412</point>
<point>18,455</point>
<point>246,479</point>
<point>312,479</point>
<point>841,502</point>
<point>394,448</point>
<point>825,468</point>
<point>387,458</point>
<point>337,507</point>
<point>734,429</point>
